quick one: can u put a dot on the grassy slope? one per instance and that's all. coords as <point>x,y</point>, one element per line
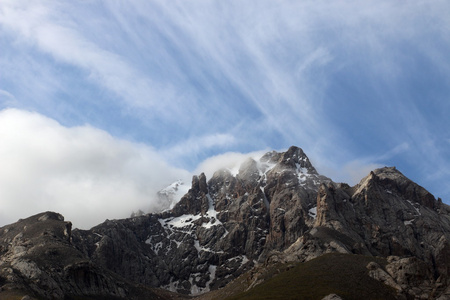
<point>342,274</point>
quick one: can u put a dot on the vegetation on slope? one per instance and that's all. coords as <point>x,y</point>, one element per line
<point>343,274</point>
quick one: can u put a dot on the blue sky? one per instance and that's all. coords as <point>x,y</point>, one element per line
<point>129,96</point>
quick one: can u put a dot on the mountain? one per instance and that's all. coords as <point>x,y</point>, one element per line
<point>235,232</point>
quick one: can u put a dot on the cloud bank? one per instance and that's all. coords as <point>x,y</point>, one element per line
<point>82,172</point>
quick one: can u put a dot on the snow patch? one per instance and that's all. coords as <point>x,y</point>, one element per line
<point>301,179</point>
<point>304,176</point>
<point>201,248</point>
<point>266,202</point>
<point>212,275</point>
<point>195,290</point>
<point>409,222</point>
<point>211,214</point>
<point>179,222</point>
<point>244,260</point>
<point>416,207</point>
<point>312,212</point>
<point>300,169</point>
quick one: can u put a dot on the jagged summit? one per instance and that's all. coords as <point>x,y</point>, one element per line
<point>294,157</point>
<point>273,210</point>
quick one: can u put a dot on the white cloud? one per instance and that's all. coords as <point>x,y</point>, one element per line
<point>229,160</point>
<point>195,145</point>
<point>81,172</point>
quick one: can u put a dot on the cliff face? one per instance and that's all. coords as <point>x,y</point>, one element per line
<point>38,258</point>
<point>275,209</point>
<point>386,214</point>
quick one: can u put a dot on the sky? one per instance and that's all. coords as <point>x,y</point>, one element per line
<point>103,103</point>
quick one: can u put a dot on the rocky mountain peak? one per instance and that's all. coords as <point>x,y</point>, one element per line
<point>295,157</point>
<point>274,210</point>
<point>195,200</point>
<point>248,170</point>
<point>392,181</point>
<point>50,216</point>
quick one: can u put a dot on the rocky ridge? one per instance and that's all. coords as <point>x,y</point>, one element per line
<point>277,209</point>
<point>38,258</point>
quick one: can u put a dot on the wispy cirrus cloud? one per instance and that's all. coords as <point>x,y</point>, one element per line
<point>271,64</point>
<point>6,98</point>
<point>55,29</point>
<point>188,150</point>
<point>356,84</point>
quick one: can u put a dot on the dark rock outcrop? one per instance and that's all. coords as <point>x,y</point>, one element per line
<point>38,259</point>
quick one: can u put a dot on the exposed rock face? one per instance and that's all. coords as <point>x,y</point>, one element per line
<point>37,256</point>
<point>409,276</point>
<point>273,210</point>
<point>386,214</point>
